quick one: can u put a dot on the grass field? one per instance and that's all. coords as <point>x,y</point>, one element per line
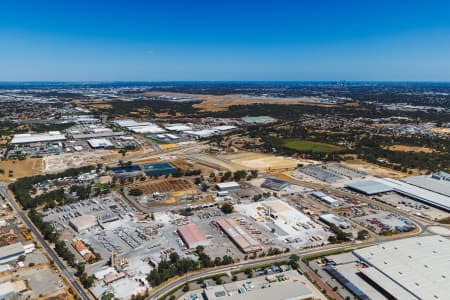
<point>308,146</point>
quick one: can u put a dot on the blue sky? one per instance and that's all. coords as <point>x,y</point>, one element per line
<point>224,40</point>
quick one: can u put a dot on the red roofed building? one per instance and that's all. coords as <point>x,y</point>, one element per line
<point>192,235</point>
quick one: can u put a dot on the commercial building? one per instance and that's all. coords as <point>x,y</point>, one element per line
<point>413,268</point>
<point>28,138</point>
<point>159,169</point>
<point>275,184</point>
<point>100,143</point>
<point>228,186</point>
<point>83,250</point>
<point>192,235</point>
<point>335,220</point>
<point>83,222</point>
<point>245,242</point>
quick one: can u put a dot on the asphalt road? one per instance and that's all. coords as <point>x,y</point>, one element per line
<point>69,276</point>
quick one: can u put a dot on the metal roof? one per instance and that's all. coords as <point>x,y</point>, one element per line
<point>369,187</point>
<point>429,183</point>
<point>26,138</point>
<point>420,265</point>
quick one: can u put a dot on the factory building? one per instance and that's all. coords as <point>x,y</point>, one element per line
<point>325,198</point>
<point>245,242</point>
<point>100,143</point>
<point>275,184</point>
<point>335,220</point>
<point>14,251</point>
<point>427,196</point>
<point>228,186</point>
<point>192,236</point>
<point>82,223</point>
<point>28,138</point>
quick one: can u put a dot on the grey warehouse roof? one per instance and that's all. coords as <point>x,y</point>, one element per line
<point>369,187</point>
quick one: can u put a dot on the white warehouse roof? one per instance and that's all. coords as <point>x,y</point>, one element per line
<point>100,143</point>
<point>150,128</point>
<point>418,265</point>
<point>26,138</point>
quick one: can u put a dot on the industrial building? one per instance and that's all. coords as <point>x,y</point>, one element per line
<point>325,198</point>
<point>437,182</point>
<point>413,268</point>
<point>275,184</point>
<point>83,222</point>
<point>245,242</point>
<point>192,235</point>
<point>369,187</point>
<point>178,127</point>
<point>200,133</point>
<point>228,186</point>
<point>14,251</point>
<point>159,169</point>
<point>28,138</point>
<point>335,220</point>
<point>100,143</point>
<point>426,196</point>
<point>284,286</point>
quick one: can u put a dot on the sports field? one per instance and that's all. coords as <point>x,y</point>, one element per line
<point>308,146</point>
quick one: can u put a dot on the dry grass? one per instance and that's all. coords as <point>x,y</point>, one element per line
<point>20,168</point>
<point>404,148</point>
<point>373,169</point>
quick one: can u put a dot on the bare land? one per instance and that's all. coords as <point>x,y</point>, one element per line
<point>404,148</point>
<point>20,168</point>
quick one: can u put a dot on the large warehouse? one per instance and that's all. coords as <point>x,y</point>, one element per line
<point>239,236</point>
<point>192,236</point>
<point>377,186</point>
<point>28,138</point>
<point>413,268</point>
<point>83,222</point>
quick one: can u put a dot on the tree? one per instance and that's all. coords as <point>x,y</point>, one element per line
<point>135,192</point>
<point>227,208</point>
<point>363,234</point>
<point>186,288</point>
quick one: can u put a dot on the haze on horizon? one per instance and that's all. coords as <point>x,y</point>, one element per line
<point>224,40</point>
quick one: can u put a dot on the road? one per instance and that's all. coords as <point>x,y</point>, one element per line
<point>69,276</point>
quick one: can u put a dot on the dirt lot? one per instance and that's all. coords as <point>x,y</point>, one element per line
<point>404,148</point>
<point>260,161</point>
<point>441,130</point>
<point>221,103</point>
<point>373,169</point>
<point>21,168</point>
<point>167,185</point>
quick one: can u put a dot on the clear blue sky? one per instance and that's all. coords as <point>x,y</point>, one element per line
<point>78,40</point>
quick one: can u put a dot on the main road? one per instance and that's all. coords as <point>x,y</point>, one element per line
<point>69,276</point>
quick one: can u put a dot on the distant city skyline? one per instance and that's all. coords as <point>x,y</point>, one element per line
<point>224,40</point>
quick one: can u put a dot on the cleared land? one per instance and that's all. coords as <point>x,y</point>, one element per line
<point>221,103</point>
<point>260,161</point>
<point>168,185</point>
<point>373,169</point>
<point>404,148</point>
<point>20,168</point>
<point>309,146</point>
